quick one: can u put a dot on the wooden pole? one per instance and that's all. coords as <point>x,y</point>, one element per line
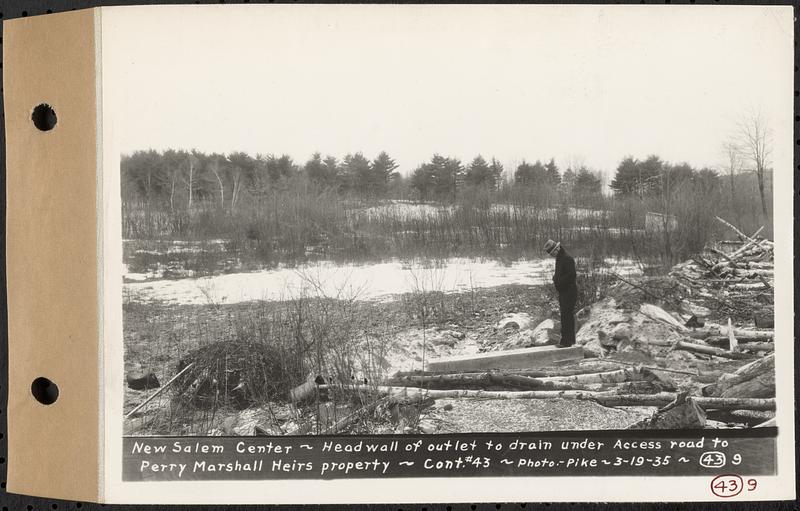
<point>710,350</point>
<point>159,391</point>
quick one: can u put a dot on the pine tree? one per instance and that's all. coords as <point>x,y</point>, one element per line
<point>382,171</point>
<point>354,174</point>
<point>319,172</point>
<point>479,174</point>
<point>638,178</point>
<point>496,172</point>
<point>551,171</point>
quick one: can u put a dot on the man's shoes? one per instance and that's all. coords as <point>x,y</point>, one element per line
<point>559,345</point>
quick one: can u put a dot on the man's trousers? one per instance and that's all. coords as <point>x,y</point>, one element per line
<point>566,303</point>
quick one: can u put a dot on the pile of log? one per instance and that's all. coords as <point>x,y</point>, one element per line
<point>718,393</point>
<point>605,398</point>
<point>593,378</point>
<point>739,343</point>
<point>750,389</point>
<point>734,277</point>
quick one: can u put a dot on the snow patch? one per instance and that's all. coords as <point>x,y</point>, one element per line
<point>366,282</point>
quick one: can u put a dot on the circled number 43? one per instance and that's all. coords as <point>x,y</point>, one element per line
<point>731,485</point>
<point>716,459</point>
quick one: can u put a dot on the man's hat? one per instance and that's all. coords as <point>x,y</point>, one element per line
<point>552,247</point>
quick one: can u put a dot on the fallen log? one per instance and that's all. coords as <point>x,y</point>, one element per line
<point>479,380</point>
<point>748,418</point>
<point>754,273</point>
<point>747,266</point>
<point>756,286</point>
<point>683,413</point>
<point>587,366</point>
<point>437,379</point>
<point>591,366</point>
<point>754,380</point>
<point>603,398</point>
<point>758,251</point>
<point>710,350</point>
<point>715,268</point>
<point>530,383</point>
<point>523,358</point>
<point>760,265</point>
<point>618,376</point>
<point>757,346</point>
<point>749,345</point>
<point>655,342</point>
<point>744,403</point>
<point>742,334</point>
<point>608,398</point>
<point>732,257</point>
<point>745,335</point>
<point>302,391</point>
<point>725,280</point>
<point>654,368</point>
<point>752,241</point>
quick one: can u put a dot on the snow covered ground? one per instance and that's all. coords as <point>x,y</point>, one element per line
<point>378,282</point>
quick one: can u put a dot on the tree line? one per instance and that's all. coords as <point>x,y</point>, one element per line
<point>180,178</point>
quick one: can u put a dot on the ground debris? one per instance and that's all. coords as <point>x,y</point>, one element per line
<point>756,379</point>
<point>731,279</point>
<point>141,379</point>
<point>234,373</point>
<point>683,413</point>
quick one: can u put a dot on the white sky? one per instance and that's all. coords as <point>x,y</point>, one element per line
<point>586,83</point>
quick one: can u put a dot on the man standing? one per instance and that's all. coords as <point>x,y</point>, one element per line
<point>565,281</point>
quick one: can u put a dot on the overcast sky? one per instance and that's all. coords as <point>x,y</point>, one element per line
<point>579,83</point>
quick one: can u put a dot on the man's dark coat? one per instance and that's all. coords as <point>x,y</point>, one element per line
<point>564,279</point>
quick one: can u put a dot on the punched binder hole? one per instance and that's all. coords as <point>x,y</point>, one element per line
<point>44,391</point>
<point>44,117</point>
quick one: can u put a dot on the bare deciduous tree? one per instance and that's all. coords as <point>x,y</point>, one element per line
<point>755,141</point>
<point>215,169</point>
<point>733,155</point>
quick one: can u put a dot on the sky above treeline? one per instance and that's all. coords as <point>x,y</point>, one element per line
<point>581,84</point>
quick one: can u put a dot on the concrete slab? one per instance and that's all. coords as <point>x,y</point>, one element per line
<point>524,358</point>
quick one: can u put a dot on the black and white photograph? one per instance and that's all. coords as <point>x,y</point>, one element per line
<point>407,220</point>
